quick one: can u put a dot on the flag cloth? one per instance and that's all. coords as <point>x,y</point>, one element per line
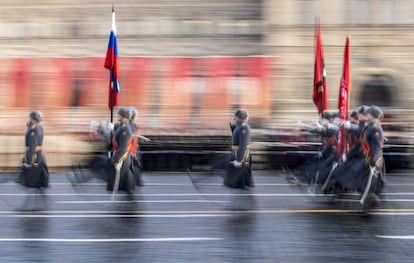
<point>320,96</point>
<point>343,100</point>
<point>111,63</point>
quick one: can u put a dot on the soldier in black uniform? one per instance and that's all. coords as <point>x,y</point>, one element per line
<point>121,158</point>
<point>355,173</point>
<point>328,155</point>
<point>353,130</point>
<point>136,158</point>
<point>35,173</point>
<point>315,170</point>
<point>239,170</point>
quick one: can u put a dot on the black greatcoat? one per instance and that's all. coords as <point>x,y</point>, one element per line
<point>240,177</point>
<point>316,169</point>
<point>122,145</point>
<point>353,174</point>
<point>37,175</point>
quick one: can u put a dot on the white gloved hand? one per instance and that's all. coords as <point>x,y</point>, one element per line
<point>144,139</point>
<point>344,158</point>
<point>372,169</point>
<point>316,123</point>
<point>118,166</point>
<point>319,155</point>
<point>237,164</point>
<point>347,125</point>
<point>111,126</point>
<point>26,165</point>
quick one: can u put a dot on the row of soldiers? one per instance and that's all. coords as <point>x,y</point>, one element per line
<point>121,169</point>
<point>120,164</point>
<point>127,163</point>
<point>360,169</point>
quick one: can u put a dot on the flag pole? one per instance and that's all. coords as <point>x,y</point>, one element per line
<point>112,92</point>
<point>316,35</point>
<point>348,94</point>
<point>112,100</point>
<point>117,169</point>
<point>111,64</point>
<point>344,94</point>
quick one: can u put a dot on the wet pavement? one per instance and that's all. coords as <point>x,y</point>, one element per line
<point>172,220</point>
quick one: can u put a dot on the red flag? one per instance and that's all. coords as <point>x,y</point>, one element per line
<point>320,96</point>
<point>343,100</point>
<point>111,63</point>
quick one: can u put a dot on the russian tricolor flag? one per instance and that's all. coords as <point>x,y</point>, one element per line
<point>111,63</point>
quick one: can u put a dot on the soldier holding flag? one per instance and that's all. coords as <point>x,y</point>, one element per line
<point>122,177</point>
<point>351,158</point>
<point>309,171</point>
<point>354,130</point>
<point>343,106</point>
<point>366,174</point>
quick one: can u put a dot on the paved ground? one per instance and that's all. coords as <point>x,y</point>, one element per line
<point>173,221</point>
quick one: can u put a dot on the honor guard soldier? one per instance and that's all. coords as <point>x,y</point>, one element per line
<point>316,169</point>
<point>355,129</point>
<point>239,170</point>
<point>366,174</point>
<point>136,158</point>
<point>350,160</point>
<point>122,179</point>
<point>35,173</point>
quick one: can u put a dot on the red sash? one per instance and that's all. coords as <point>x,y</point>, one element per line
<point>134,144</point>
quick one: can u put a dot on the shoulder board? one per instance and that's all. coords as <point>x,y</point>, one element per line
<point>376,125</point>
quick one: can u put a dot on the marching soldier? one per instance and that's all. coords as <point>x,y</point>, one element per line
<point>352,129</point>
<point>239,170</point>
<point>35,174</point>
<point>136,159</point>
<point>366,174</point>
<point>355,128</point>
<point>122,179</point>
<point>317,168</point>
<point>328,160</point>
